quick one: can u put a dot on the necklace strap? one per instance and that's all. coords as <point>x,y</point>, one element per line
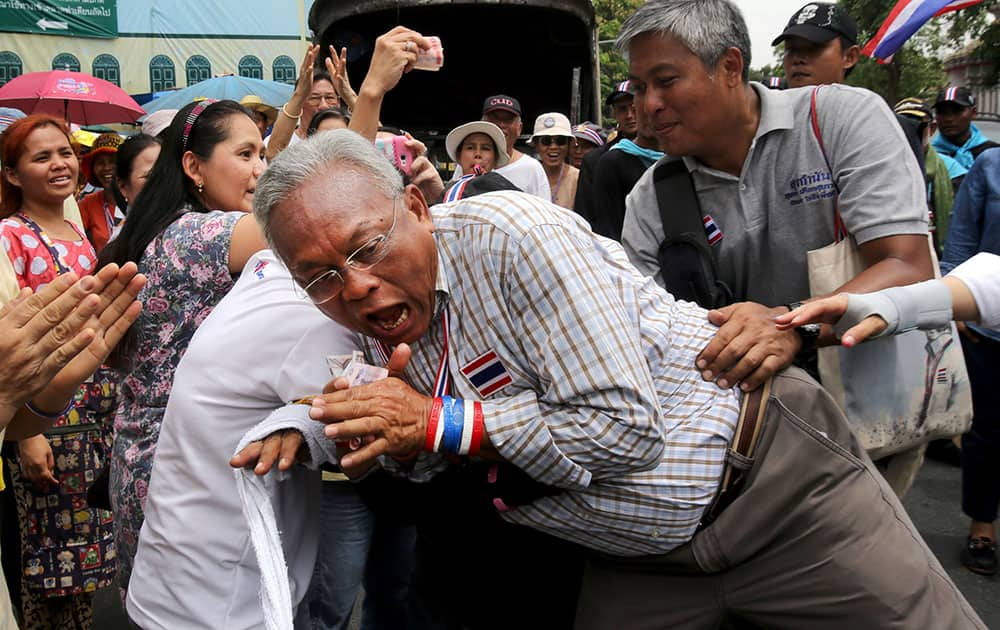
<point>57,258</point>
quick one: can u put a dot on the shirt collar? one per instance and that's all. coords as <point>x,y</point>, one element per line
<point>777,113</point>
<point>441,293</point>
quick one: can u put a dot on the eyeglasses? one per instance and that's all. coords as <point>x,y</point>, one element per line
<point>330,283</point>
<point>547,140</point>
<point>315,99</point>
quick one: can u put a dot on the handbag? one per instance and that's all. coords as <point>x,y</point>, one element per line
<point>899,391</point>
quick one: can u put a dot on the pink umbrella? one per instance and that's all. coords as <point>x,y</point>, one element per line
<point>77,97</point>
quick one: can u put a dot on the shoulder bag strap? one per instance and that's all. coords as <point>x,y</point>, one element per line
<point>680,212</point>
<point>840,230</point>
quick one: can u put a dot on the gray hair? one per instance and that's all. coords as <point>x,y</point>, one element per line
<point>708,28</point>
<point>306,159</point>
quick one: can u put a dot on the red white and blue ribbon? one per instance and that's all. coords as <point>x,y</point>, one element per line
<point>904,20</point>
<point>458,188</point>
<point>442,381</point>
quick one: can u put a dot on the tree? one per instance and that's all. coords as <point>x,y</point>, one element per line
<point>610,15</point>
<point>917,69</point>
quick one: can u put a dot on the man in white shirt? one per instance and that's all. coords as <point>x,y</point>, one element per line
<point>523,171</point>
<point>262,347</point>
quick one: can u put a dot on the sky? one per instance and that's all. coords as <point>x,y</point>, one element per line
<point>766,19</point>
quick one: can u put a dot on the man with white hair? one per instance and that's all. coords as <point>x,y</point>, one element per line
<point>531,341</point>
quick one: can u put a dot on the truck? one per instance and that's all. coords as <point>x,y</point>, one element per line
<point>542,52</point>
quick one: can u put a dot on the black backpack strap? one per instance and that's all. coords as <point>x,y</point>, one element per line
<point>686,262</point>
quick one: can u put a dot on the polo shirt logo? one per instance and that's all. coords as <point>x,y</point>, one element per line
<point>809,187</point>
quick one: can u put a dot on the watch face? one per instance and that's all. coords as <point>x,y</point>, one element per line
<point>812,330</point>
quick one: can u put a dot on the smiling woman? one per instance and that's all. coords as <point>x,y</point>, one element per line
<point>189,231</point>
<point>40,172</point>
<point>99,210</point>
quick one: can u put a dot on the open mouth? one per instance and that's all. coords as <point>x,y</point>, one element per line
<point>59,180</point>
<point>391,318</point>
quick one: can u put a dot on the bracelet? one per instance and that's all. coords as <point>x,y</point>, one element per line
<point>285,112</point>
<point>49,416</point>
<point>454,426</point>
<point>430,442</point>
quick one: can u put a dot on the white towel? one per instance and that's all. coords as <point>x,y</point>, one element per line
<point>255,495</point>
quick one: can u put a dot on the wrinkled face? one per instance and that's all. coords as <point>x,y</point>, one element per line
<point>141,166</point>
<point>322,96</point>
<point>809,63</point>
<point>624,112</point>
<point>47,170</point>
<point>332,215</point>
<point>685,105</point>
<point>954,121</point>
<point>509,123</point>
<point>551,153</point>
<point>230,173</point>
<point>103,169</point>
<point>477,148</point>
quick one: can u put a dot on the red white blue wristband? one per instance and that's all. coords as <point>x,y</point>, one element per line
<point>454,426</point>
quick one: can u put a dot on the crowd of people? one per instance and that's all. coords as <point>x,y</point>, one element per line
<point>258,358</point>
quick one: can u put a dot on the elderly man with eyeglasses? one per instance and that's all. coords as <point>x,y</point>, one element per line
<point>531,342</point>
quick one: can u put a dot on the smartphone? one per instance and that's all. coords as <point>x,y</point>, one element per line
<point>396,151</point>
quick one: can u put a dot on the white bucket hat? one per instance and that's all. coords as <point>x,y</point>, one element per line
<point>552,124</point>
<point>457,135</point>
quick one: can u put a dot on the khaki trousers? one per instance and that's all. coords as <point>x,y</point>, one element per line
<point>817,539</point>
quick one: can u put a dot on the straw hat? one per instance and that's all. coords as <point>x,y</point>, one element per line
<point>254,104</point>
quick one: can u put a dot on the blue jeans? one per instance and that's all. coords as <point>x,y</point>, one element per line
<point>355,548</point>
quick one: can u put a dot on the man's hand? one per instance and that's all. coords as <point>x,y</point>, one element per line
<point>336,65</point>
<point>305,83</point>
<point>388,416</point>
<point>748,348</point>
<point>37,464</point>
<point>286,447</point>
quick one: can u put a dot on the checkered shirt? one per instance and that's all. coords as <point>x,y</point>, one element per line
<point>605,400</point>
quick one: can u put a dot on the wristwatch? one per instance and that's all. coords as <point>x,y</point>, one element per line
<point>809,333</point>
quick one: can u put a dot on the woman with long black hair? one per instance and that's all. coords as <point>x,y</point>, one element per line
<point>190,231</point>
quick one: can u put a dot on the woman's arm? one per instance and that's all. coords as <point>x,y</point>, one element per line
<point>290,112</point>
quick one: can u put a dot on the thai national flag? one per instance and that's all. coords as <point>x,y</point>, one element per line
<point>712,231</point>
<point>487,374</point>
<point>904,20</point>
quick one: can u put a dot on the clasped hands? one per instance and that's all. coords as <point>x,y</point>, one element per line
<point>388,417</point>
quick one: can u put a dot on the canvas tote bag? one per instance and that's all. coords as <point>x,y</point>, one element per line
<point>899,391</point>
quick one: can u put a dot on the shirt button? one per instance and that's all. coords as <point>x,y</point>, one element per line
<point>656,533</point>
<point>743,186</point>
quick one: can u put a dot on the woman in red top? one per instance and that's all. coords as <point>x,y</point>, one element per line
<point>67,547</point>
<point>99,209</point>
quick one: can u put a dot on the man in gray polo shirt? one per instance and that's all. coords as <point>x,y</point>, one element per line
<point>763,184</point>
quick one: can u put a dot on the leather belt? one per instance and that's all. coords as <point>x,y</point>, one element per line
<point>741,451</point>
